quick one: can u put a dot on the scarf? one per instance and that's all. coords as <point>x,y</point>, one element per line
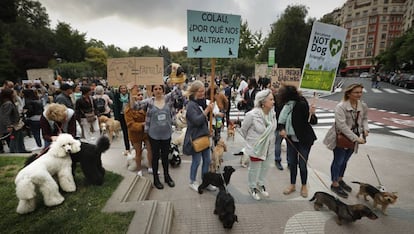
<point>285,117</point>
<point>262,144</point>
<point>124,98</point>
<point>201,102</point>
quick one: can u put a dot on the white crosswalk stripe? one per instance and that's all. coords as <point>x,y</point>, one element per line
<point>382,90</point>
<point>390,91</point>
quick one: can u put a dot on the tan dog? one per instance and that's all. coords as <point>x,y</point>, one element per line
<point>231,130</point>
<point>217,158</point>
<point>109,126</point>
<point>180,120</point>
<point>382,198</point>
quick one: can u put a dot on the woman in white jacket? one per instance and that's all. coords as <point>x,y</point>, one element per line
<point>258,130</point>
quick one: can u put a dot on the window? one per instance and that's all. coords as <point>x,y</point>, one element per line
<point>370,38</point>
<point>359,54</point>
<point>354,31</point>
<point>384,27</point>
<point>352,62</point>
<point>353,47</point>
<point>352,55</point>
<point>362,30</point>
<point>360,46</point>
<point>372,20</point>
<point>354,39</point>
<point>369,45</point>
<point>385,1</point>
<point>359,62</point>
<point>361,38</point>
<point>385,9</point>
<point>368,53</point>
<point>382,45</point>
<point>383,36</point>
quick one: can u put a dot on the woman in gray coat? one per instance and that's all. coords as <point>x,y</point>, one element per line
<point>258,130</point>
<point>351,119</point>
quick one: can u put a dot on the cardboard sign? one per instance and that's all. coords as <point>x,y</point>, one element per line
<point>45,74</point>
<point>212,35</point>
<point>325,47</point>
<point>261,70</point>
<point>133,70</point>
<point>285,76</point>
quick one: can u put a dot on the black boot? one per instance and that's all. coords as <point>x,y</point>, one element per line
<point>279,165</point>
<point>157,182</point>
<point>169,181</point>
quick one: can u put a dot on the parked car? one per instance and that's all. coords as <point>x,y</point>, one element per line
<point>407,81</point>
<point>364,75</point>
<point>396,78</point>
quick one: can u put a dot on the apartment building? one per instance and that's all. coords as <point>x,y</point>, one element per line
<point>372,26</point>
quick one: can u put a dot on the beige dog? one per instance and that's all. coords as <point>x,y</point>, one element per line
<point>231,131</point>
<point>180,120</point>
<point>217,157</point>
<point>109,126</point>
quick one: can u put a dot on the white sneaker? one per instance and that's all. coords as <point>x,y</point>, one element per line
<point>35,148</point>
<point>150,171</point>
<point>262,190</point>
<point>255,193</point>
<point>194,186</point>
<point>139,173</point>
<point>211,187</point>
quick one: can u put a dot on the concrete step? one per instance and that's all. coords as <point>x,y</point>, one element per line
<point>152,217</point>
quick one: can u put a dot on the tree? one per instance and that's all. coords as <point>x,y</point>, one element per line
<point>290,36</point>
<point>7,68</point>
<point>70,44</point>
<point>145,51</point>
<point>250,44</point>
<point>33,13</point>
<point>97,57</point>
<point>8,11</point>
<point>115,52</point>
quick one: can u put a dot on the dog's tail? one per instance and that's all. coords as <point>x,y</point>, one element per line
<point>103,144</point>
<point>314,197</point>
<point>356,182</point>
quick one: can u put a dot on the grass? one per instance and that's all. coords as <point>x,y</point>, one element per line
<point>79,213</point>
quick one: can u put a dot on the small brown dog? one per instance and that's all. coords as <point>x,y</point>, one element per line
<point>382,198</point>
<point>344,212</point>
<point>217,158</point>
<point>231,130</point>
<point>109,126</point>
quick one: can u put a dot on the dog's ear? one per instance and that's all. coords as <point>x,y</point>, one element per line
<point>76,146</point>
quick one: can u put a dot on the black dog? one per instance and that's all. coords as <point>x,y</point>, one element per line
<point>90,161</point>
<point>198,49</point>
<point>344,212</point>
<point>225,209</point>
<point>174,156</point>
<point>216,179</point>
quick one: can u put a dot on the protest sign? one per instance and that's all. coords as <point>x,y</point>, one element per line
<point>45,74</point>
<point>325,47</point>
<point>135,70</point>
<point>212,35</point>
<point>285,76</point>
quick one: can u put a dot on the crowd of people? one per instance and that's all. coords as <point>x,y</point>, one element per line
<point>147,117</point>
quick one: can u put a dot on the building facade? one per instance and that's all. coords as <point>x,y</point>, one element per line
<point>372,27</point>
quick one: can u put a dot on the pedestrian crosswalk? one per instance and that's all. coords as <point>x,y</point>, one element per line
<point>383,90</point>
<point>326,118</point>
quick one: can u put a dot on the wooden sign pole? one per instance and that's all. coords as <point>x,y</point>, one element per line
<point>212,89</point>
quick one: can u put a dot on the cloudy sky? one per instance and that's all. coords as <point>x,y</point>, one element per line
<point>129,23</point>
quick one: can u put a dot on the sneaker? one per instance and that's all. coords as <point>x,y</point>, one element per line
<point>194,186</point>
<point>255,193</point>
<point>150,171</point>
<point>139,173</point>
<point>263,191</point>
<point>344,186</point>
<point>36,148</point>
<point>211,187</point>
<point>279,165</point>
<point>339,191</point>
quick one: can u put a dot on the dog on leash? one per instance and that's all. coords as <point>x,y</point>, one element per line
<point>225,209</point>
<point>382,198</point>
<point>174,155</point>
<point>180,120</point>
<point>131,163</point>
<point>109,126</point>
<point>37,176</point>
<point>344,212</point>
<point>231,131</point>
<point>217,158</point>
<point>216,179</point>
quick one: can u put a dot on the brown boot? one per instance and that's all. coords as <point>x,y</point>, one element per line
<point>289,189</point>
<point>304,191</point>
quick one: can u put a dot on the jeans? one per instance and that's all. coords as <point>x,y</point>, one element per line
<point>278,147</point>
<point>294,159</point>
<point>205,155</point>
<point>340,160</point>
<point>35,129</point>
<point>257,172</point>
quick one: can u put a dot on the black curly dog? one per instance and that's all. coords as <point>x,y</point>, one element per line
<point>89,158</point>
<point>225,209</point>
<point>216,179</point>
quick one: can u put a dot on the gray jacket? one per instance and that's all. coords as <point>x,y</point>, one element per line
<point>344,120</point>
<point>9,116</point>
<point>253,126</point>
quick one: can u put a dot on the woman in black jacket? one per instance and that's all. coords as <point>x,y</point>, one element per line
<point>121,99</point>
<point>294,125</point>
<point>34,110</point>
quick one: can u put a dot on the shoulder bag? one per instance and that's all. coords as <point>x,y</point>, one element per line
<point>342,141</point>
<point>201,143</point>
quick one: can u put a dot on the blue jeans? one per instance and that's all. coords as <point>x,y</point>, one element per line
<point>338,166</point>
<point>205,155</point>
<point>35,129</point>
<point>294,159</point>
<point>278,147</point>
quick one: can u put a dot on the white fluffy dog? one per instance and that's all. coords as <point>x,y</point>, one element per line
<point>132,165</point>
<point>39,173</point>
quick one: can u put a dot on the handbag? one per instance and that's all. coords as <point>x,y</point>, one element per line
<point>200,143</point>
<point>19,125</point>
<point>343,142</point>
<point>90,117</point>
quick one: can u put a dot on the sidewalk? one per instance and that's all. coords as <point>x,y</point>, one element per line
<point>193,213</point>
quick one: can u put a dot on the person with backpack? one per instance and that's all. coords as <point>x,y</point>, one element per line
<point>102,102</point>
<point>250,94</point>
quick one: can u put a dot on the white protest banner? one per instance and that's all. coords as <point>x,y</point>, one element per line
<point>212,35</point>
<point>135,70</point>
<point>325,47</point>
<point>285,76</point>
<point>261,70</point>
<point>45,74</point>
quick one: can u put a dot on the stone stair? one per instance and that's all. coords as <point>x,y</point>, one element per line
<point>151,216</point>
